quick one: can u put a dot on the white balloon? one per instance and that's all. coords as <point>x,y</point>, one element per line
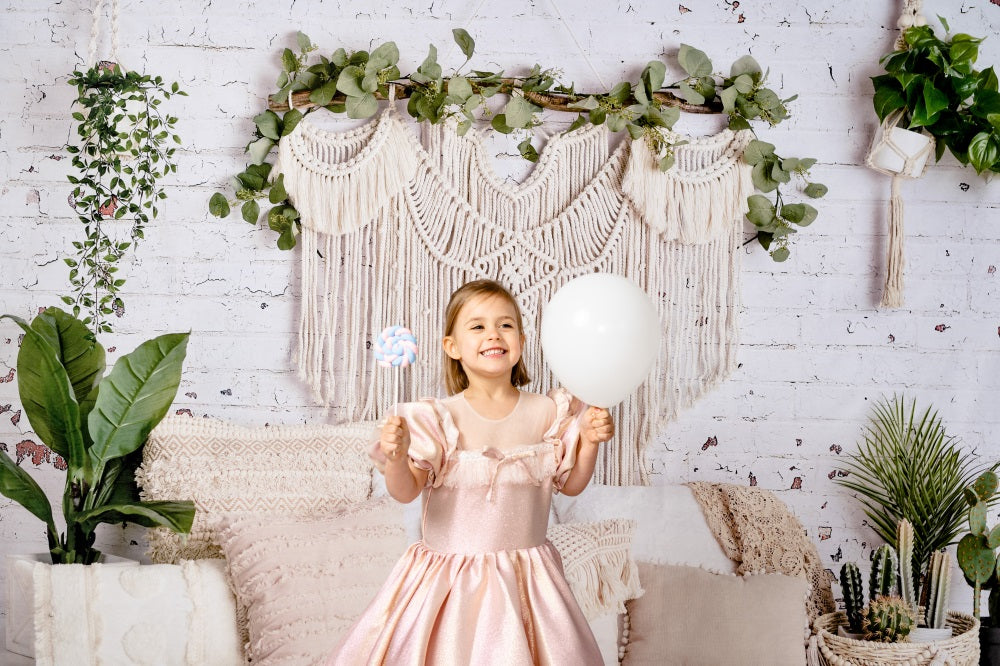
<point>600,335</point>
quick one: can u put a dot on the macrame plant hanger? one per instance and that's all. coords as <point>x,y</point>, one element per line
<point>900,153</point>
<point>95,31</point>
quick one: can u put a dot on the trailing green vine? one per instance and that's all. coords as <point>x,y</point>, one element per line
<point>353,82</point>
<point>123,149</point>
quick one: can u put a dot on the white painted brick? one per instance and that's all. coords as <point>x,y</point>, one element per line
<point>816,352</point>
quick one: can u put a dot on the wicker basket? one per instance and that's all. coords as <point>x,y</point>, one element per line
<point>962,649</point>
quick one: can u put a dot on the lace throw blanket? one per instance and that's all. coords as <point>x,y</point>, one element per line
<point>757,529</point>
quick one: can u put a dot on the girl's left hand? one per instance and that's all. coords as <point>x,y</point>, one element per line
<point>600,426</point>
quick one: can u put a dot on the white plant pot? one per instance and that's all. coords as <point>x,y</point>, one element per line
<point>20,625</point>
<point>927,634</point>
<point>891,156</point>
<point>842,631</point>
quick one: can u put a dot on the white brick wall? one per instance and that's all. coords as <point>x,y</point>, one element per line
<point>816,351</point>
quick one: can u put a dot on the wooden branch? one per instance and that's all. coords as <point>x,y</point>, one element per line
<point>546,100</point>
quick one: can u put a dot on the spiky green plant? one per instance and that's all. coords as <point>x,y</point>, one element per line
<point>907,466</point>
<point>908,585</point>
<point>888,620</point>
<point>854,594</point>
<point>939,584</point>
<point>882,582</point>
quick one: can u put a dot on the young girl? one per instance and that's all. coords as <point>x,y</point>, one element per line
<point>483,586</point>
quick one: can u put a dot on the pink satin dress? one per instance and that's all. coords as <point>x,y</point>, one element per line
<point>484,585</point>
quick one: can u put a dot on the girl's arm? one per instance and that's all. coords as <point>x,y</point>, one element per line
<point>600,428</point>
<point>403,479</point>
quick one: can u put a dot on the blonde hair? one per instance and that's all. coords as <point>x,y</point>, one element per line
<point>455,378</point>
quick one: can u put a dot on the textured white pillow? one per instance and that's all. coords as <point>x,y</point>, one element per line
<point>670,526</point>
<point>158,614</point>
<point>304,581</point>
<point>225,468</point>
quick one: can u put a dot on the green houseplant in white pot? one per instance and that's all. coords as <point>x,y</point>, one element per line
<point>97,424</point>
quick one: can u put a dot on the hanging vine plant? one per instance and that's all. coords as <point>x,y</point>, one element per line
<point>124,146</point>
<point>353,82</point>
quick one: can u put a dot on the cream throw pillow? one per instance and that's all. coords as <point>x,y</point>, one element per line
<point>695,617</point>
<point>304,581</point>
<point>225,468</point>
<point>164,614</point>
<point>597,564</point>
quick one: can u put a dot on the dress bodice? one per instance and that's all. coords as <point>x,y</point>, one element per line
<point>491,501</point>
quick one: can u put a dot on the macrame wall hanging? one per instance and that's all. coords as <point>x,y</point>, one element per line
<point>392,226</point>
<point>900,153</point>
<point>391,223</point>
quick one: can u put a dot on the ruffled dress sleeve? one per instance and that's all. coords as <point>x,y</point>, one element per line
<point>564,433</point>
<point>433,438</point>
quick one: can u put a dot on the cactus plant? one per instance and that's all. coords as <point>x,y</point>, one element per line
<point>854,594</point>
<point>939,582</point>
<point>882,582</point>
<point>888,619</point>
<point>904,548</point>
<point>977,550</point>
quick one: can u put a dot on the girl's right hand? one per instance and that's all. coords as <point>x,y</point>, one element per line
<point>395,439</point>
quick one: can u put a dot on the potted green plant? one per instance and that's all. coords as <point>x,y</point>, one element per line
<point>97,424</point>
<point>124,145</point>
<point>907,466</point>
<point>934,85</point>
<point>977,556</point>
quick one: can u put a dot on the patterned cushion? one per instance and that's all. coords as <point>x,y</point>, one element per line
<point>304,581</point>
<point>299,470</point>
<point>598,567</point>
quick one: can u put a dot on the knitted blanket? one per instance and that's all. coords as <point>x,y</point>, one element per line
<point>757,529</point>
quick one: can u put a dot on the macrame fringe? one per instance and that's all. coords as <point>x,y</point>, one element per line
<point>892,294</point>
<point>456,221</point>
<point>697,199</point>
<point>603,583</point>
<point>338,185</point>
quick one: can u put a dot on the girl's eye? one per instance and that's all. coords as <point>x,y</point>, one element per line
<point>507,325</point>
<point>476,327</point>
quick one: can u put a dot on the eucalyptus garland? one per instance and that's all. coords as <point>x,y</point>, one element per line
<point>123,147</point>
<point>353,82</point>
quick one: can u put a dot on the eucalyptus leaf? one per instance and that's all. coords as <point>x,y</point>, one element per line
<point>218,206</point>
<point>518,112</point>
<point>815,190</point>
<point>288,61</point>
<point>690,95</point>
<point>260,149</point>
<point>499,123</point>
<point>745,65</point>
<point>758,151</point>
<point>460,88</point>
<point>362,107</point>
<point>250,211</point>
<point>387,53</point>
<point>652,76</point>
<point>268,124</point>
<point>780,254</point>
<point>694,61</point>
<point>728,97</point>
<point>277,193</point>
<point>324,94</point>
<point>527,150</point>
<point>349,81</point>
<point>305,44</point>
<point>464,41</point>
<point>588,103</point>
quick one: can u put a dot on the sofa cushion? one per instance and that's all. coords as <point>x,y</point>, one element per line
<point>670,526</point>
<point>225,468</point>
<point>696,617</point>
<point>304,581</point>
<point>597,564</point>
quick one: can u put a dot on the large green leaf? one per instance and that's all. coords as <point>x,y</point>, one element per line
<point>76,348</point>
<point>17,484</point>
<point>176,516</point>
<point>136,396</point>
<point>47,396</point>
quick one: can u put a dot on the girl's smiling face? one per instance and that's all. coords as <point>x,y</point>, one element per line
<point>485,337</point>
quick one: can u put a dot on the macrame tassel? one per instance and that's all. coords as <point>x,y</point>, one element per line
<point>339,181</point>
<point>892,295</point>
<point>697,199</point>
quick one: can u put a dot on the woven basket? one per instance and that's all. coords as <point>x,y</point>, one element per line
<point>962,649</point>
